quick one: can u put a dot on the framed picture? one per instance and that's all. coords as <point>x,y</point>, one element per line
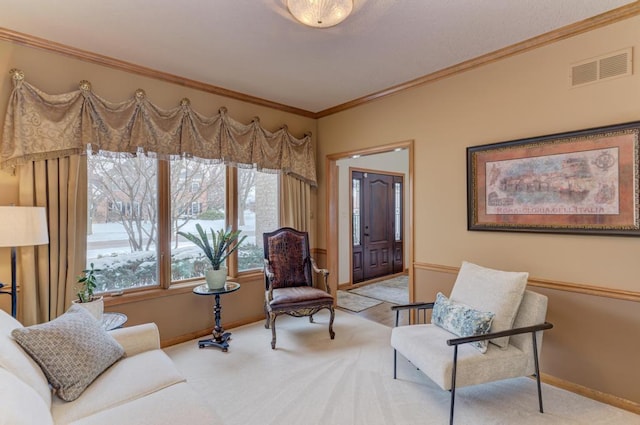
<point>578,182</point>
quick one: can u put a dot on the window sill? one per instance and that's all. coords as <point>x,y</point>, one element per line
<point>175,289</point>
<point>149,294</point>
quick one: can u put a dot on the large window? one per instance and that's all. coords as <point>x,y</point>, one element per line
<point>137,205</point>
<point>197,197</point>
<point>122,230</point>
<point>257,213</point>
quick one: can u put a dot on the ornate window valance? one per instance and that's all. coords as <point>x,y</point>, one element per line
<point>43,126</point>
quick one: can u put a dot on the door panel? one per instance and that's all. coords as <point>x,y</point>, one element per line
<point>374,226</point>
<point>358,270</point>
<point>378,224</point>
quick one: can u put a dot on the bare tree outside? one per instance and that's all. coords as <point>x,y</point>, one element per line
<point>122,220</point>
<point>122,234</point>
<point>128,185</point>
<point>246,187</point>
<point>95,196</point>
<point>197,196</point>
<point>197,188</point>
<point>124,190</point>
<point>258,213</point>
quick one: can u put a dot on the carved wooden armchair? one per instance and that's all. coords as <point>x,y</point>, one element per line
<point>288,270</point>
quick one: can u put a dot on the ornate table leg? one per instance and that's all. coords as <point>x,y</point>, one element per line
<point>219,338</point>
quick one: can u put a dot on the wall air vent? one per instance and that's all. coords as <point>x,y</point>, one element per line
<point>606,67</point>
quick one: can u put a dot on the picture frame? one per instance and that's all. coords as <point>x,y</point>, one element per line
<point>579,182</point>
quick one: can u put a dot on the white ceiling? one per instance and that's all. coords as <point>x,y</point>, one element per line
<point>256,48</point>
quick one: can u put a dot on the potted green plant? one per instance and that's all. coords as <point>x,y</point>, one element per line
<point>86,285</point>
<point>217,248</point>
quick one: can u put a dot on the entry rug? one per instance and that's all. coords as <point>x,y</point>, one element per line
<point>394,290</point>
<point>355,302</point>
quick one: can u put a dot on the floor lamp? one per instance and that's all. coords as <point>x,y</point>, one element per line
<point>21,226</point>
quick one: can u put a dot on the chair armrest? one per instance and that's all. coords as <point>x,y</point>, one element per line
<point>137,339</point>
<point>415,306</point>
<point>467,339</point>
<point>267,269</point>
<point>270,276</point>
<point>324,272</point>
<point>317,269</point>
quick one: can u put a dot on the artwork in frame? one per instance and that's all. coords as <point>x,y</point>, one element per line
<point>577,182</point>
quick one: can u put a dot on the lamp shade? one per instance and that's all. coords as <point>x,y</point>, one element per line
<point>23,226</point>
<point>320,13</point>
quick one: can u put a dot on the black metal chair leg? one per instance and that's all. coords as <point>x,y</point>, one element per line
<point>395,362</point>
<point>535,359</point>
<point>453,383</point>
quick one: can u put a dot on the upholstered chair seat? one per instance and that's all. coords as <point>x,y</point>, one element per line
<point>298,296</point>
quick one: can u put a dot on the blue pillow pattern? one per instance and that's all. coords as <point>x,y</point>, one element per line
<point>461,320</point>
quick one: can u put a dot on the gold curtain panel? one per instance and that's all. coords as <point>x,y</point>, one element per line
<point>43,126</point>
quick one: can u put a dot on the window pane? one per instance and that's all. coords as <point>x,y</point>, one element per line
<point>197,196</point>
<point>258,213</point>
<point>355,213</point>
<point>122,221</point>
<point>398,211</point>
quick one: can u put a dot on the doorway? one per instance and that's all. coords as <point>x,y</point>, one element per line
<point>338,207</point>
<point>377,226</point>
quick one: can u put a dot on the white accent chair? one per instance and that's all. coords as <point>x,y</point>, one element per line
<point>450,360</point>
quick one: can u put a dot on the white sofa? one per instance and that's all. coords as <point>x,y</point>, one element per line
<point>143,387</point>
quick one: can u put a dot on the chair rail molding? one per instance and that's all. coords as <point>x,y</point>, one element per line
<point>599,291</point>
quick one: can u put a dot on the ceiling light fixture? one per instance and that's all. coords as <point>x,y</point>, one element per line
<point>320,13</point>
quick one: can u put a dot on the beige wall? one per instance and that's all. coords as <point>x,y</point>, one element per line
<point>525,95</point>
<point>177,313</point>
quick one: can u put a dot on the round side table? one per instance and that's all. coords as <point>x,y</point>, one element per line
<point>219,338</point>
<point>111,321</point>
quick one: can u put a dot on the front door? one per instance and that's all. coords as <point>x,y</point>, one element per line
<point>376,224</point>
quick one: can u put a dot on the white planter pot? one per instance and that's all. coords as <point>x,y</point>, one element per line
<point>216,278</point>
<point>95,307</point>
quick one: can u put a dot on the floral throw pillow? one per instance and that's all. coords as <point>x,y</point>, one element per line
<point>462,320</point>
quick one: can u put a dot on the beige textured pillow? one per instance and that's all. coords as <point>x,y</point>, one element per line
<point>497,291</point>
<point>72,350</point>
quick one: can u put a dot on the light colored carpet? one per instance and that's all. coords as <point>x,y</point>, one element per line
<point>312,380</point>
<point>355,302</point>
<point>394,290</point>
